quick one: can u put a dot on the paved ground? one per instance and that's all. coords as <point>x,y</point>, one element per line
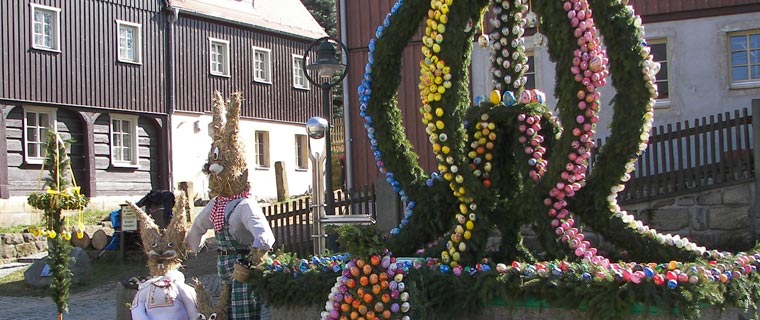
<point>99,303</point>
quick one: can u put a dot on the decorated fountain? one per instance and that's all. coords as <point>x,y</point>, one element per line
<point>507,162</point>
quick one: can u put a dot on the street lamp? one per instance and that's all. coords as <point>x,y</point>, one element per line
<point>316,128</point>
<point>330,71</point>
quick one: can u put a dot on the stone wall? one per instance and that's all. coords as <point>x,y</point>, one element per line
<point>18,245</point>
<point>717,218</point>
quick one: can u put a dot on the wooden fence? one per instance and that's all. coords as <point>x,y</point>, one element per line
<point>687,157</point>
<point>291,221</point>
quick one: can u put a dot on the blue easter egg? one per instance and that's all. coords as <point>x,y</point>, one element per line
<point>478,100</point>
<point>508,98</point>
<point>672,284</point>
<point>395,231</point>
<point>586,277</point>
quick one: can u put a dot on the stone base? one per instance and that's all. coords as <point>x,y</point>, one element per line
<point>519,313</point>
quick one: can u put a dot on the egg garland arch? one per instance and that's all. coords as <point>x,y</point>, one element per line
<point>537,169</point>
<point>564,189</point>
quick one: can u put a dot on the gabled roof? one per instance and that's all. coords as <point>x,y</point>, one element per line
<point>286,16</point>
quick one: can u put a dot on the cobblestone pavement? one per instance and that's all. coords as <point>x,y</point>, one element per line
<point>96,304</point>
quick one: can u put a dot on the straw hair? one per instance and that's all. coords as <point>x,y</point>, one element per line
<point>205,305</point>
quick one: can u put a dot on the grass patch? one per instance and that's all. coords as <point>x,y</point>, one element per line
<point>106,269</point>
<point>89,217</point>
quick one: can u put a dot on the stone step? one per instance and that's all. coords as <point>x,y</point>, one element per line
<point>32,258</point>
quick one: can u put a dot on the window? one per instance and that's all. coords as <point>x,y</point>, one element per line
<point>302,152</point>
<point>130,42</point>
<point>220,57</point>
<point>124,141</point>
<point>262,65</point>
<point>37,123</point>
<point>46,24</point>
<point>530,75</point>
<point>745,58</point>
<point>659,51</point>
<point>299,77</point>
<point>262,149</point>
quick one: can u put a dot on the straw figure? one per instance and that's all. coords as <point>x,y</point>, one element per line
<point>165,295</point>
<point>240,227</point>
<point>207,310</point>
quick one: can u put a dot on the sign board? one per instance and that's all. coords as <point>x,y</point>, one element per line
<point>128,218</point>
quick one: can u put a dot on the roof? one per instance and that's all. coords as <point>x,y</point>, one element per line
<point>287,16</point>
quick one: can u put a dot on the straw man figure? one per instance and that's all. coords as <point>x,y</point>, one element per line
<point>240,227</point>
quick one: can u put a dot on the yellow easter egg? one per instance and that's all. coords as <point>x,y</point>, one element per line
<point>459,179</point>
<point>439,112</point>
<point>462,208</point>
<point>495,97</point>
<point>448,176</point>
<point>462,247</point>
<point>445,149</point>
<point>467,235</point>
<point>436,48</point>
<point>442,26</point>
<point>445,256</point>
<point>459,229</point>
<point>455,256</point>
<point>438,80</point>
<point>437,97</point>
<point>80,235</point>
<point>436,148</point>
<point>469,225</point>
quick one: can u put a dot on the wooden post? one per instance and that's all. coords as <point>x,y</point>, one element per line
<point>281,179</point>
<point>755,210</point>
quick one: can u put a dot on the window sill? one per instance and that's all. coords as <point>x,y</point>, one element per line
<point>301,88</point>
<point>262,81</point>
<point>138,63</point>
<point>124,165</point>
<point>302,169</point>
<point>662,104</point>
<point>259,168</point>
<point>46,49</point>
<point>34,161</point>
<point>222,75</point>
<point>745,85</point>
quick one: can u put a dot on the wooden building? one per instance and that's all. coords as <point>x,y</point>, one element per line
<point>695,34</point>
<point>119,76</point>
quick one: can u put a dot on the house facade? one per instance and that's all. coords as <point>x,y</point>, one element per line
<point>709,52</point>
<point>131,83</point>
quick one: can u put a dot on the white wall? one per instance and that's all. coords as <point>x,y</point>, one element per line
<point>699,72</point>
<point>191,144</point>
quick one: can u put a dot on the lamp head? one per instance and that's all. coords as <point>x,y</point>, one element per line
<point>327,64</point>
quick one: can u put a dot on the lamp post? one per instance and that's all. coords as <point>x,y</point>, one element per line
<point>316,128</point>
<point>330,71</point>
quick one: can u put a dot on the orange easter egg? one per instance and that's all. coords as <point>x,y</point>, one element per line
<point>357,304</point>
<point>363,309</point>
<point>367,269</point>
<point>384,284</point>
<point>373,278</point>
<point>354,271</point>
<point>375,260</point>
<point>345,307</point>
<point>347,298</point>
<point>368,298</point>
<point>364,281</point>
<point>371,315</point>
<point>360,263</point>
<point>386,314</point>
<point>351,283</point>
<point>376,289</point>
<point>385,298</point>
<point>383,276</point>
<point>354,315</point>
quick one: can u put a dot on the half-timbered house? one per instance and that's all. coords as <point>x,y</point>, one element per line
<point>131,82</point>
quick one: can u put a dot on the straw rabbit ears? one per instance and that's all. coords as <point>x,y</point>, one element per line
<point>164,247</point>
<point>226,165</point>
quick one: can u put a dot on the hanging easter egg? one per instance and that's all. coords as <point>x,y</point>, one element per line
<point>469,26</point>
<point>483,41</point>
<point>495,97</point>
<point>508,98</point>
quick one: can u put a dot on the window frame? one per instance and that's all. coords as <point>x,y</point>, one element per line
<point>226,55</point>
<point>302,142</point>
<point>267,65</point>
<point>295,59</point>
<point>530,54</point>
<point>662,102</point>
<point>56,34</point>
<point>259,156</point>
<point>134,152</point>
<point>137,41</point>
<point>53,119</point>
<point>750,82</point>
